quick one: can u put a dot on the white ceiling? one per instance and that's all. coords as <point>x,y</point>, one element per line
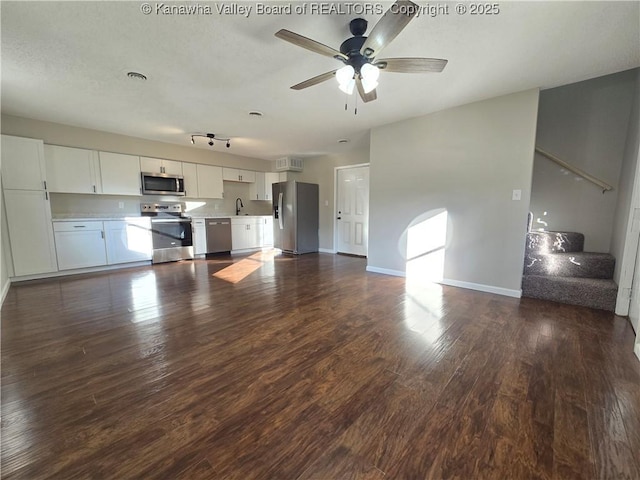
<point>66,62</point>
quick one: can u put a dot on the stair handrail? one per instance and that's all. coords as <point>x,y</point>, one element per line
<point>605,186</point>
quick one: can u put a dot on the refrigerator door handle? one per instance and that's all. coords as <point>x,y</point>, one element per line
<point>280,211</point>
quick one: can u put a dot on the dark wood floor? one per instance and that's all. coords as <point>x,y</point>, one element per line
<point>309,368</point>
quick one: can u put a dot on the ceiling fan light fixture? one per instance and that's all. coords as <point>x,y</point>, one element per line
<point>369,74</point>
<point>345,79</point>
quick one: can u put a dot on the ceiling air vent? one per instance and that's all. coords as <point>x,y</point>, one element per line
<point>288,164</point>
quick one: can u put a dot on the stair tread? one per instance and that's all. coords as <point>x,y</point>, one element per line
<point>577,280</point>
<point>589,292</point>
<point>576,254</point>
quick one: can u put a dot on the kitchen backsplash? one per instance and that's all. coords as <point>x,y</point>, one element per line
<point>66,204</point>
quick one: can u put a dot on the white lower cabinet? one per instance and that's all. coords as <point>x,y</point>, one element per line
<point>251,232</point>
<point>199,236</point>
<point>79,244</point>
<point>267,234</point>
<point>128,240</point>
<point>245,233</point>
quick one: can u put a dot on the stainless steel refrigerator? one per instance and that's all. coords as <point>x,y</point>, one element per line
<point>295,217</point>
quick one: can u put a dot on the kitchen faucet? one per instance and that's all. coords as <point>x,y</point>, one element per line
<point>238,207</point>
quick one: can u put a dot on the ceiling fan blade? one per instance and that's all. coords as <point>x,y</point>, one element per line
<point>411,65</point>
<point>309,44</point>
<point>388,27</point>
<point>366,97</point>
<point>315,80</point>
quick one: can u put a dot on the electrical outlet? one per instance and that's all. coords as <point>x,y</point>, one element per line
<point>517,195</point>
<point>326,203</point>
<point>120,205</point>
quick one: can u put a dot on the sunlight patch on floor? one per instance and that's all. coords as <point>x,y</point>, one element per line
<point>240,270</point>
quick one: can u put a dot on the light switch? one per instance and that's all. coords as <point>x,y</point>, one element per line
<point>326,203</point>
<point>120,204</point>
<point>517,195</point>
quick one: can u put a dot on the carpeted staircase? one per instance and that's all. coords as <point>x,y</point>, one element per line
<point>556,268</point>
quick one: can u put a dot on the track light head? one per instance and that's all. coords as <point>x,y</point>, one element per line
<point>192,140</point>
<point>211,143</point>
<point>228,143</point>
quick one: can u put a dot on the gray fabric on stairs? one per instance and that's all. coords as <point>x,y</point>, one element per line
<point>557,269</point>
<point>588,292</point>
<point>574,264</point>
<point>554,242</point>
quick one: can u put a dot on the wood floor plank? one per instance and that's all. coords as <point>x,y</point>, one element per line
<point>308,367</point>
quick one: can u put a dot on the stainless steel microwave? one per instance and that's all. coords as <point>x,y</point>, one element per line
<point>162,184</point>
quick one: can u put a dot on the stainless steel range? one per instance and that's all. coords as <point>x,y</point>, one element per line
<point>170,232</point>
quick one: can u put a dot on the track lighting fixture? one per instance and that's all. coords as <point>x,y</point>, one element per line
<point>211,138</point>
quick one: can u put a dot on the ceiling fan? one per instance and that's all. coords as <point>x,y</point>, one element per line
<point>358,53</point>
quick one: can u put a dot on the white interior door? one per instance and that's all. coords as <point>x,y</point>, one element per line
<point>352,212</point>
<point>634,306</point>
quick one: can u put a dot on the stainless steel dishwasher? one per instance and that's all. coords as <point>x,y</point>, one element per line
<point>218,235</point>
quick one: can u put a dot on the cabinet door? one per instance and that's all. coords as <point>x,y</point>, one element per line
<point>30,232</point>
<point>199,236</point>
<point>172,167</point>
<point>256,189</point>
<point>150,165</point>
<point>209,181</point>
<point>246,176</point>
<point>71,170</point>
<point>81,249</point>
<point>269,179</point>
<point>254,233</point>
<point>23,165</point>
<point>120,174</point>
<point>190,174</point>
<point>128,240</point>
<point>239,236</point>
<point>267,232</point>
<point>230,174</point>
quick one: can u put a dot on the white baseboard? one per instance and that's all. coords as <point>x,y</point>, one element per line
<point>623,302</point>
<point>64,273</point>
<point>386,271</point>
<point>455,283</point>
<point>483,288</point>
<point>326,250</point>
<point>5,290</point>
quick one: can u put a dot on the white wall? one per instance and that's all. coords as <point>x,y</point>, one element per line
<point>467,160</point>
<point>584,124</point>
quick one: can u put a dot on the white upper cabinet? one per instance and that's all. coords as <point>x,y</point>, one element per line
<point>236,175</point>
<point>269,179</point>
<point>72,170</point>
<point>120,174</point>
<point>209,181</point>
<point>159,165</point>
<point>256,189</point>
<point>262,188</point>
<point>190,174</point>
<point>23,165</point>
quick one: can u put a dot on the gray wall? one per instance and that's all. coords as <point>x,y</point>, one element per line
<point>584,124</point>
<point>467,160</point>
<point>321,170</point>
